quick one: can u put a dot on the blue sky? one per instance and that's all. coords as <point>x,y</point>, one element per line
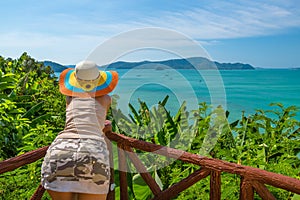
<point>263,33</point>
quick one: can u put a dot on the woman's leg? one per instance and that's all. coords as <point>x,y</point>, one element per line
<point>82,196</point>
<point>61,195</point>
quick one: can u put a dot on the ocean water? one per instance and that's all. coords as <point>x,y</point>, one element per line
<point>251,90</point>
<point>236,90</point>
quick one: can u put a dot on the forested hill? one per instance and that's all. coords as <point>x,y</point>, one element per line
<point>189,63</point>
<point>55,66</point>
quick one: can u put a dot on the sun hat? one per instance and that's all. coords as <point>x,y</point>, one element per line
<point>86,80</point>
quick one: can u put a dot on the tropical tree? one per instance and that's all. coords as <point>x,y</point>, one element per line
<point>31,116</point>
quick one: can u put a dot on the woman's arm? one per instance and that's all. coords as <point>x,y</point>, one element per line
<point>105,101</point>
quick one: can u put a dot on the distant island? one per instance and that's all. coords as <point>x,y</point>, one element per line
<point>188,63</point>
<point>55,66</point>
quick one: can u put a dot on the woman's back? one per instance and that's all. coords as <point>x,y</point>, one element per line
<point>85,117</point>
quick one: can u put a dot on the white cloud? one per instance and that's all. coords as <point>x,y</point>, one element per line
<point>209,20</point>
<point>66,50</point>
<point>229,20</point>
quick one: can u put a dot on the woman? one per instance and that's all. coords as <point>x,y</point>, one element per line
<point>76,165</point>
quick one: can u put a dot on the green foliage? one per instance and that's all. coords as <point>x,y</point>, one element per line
<point>268,140</point>
<point>31,116</point>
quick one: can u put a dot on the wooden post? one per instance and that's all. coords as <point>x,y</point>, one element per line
<point>111,192</point>
<point>246,190</point>
<point>215,185</point>
<point>123,173</point>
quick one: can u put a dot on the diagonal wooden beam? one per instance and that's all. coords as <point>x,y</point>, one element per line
<point>263,191</point>
<point>185,183</point>
<point>38,193</point>
<point>142,170</point>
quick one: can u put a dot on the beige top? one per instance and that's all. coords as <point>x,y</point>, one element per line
<point>85,117</point>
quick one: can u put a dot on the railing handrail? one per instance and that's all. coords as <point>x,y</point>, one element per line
<point>248,174</point>
<point>263,176</point>
<point>24,159</point>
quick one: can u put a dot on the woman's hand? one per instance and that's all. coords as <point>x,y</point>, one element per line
<point>107,126</point>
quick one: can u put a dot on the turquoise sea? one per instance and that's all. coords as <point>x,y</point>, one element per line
<point>236,90</point>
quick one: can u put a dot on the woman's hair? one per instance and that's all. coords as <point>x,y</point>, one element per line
<point>68,99</point>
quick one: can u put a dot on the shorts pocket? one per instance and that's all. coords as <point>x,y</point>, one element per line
<point>65,162</point>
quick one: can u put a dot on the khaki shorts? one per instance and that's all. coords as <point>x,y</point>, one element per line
<point>77,165</point>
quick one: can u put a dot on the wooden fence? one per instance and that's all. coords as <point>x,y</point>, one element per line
<point>252,179</point>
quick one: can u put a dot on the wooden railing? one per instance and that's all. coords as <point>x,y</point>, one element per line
<point>252,179</point>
